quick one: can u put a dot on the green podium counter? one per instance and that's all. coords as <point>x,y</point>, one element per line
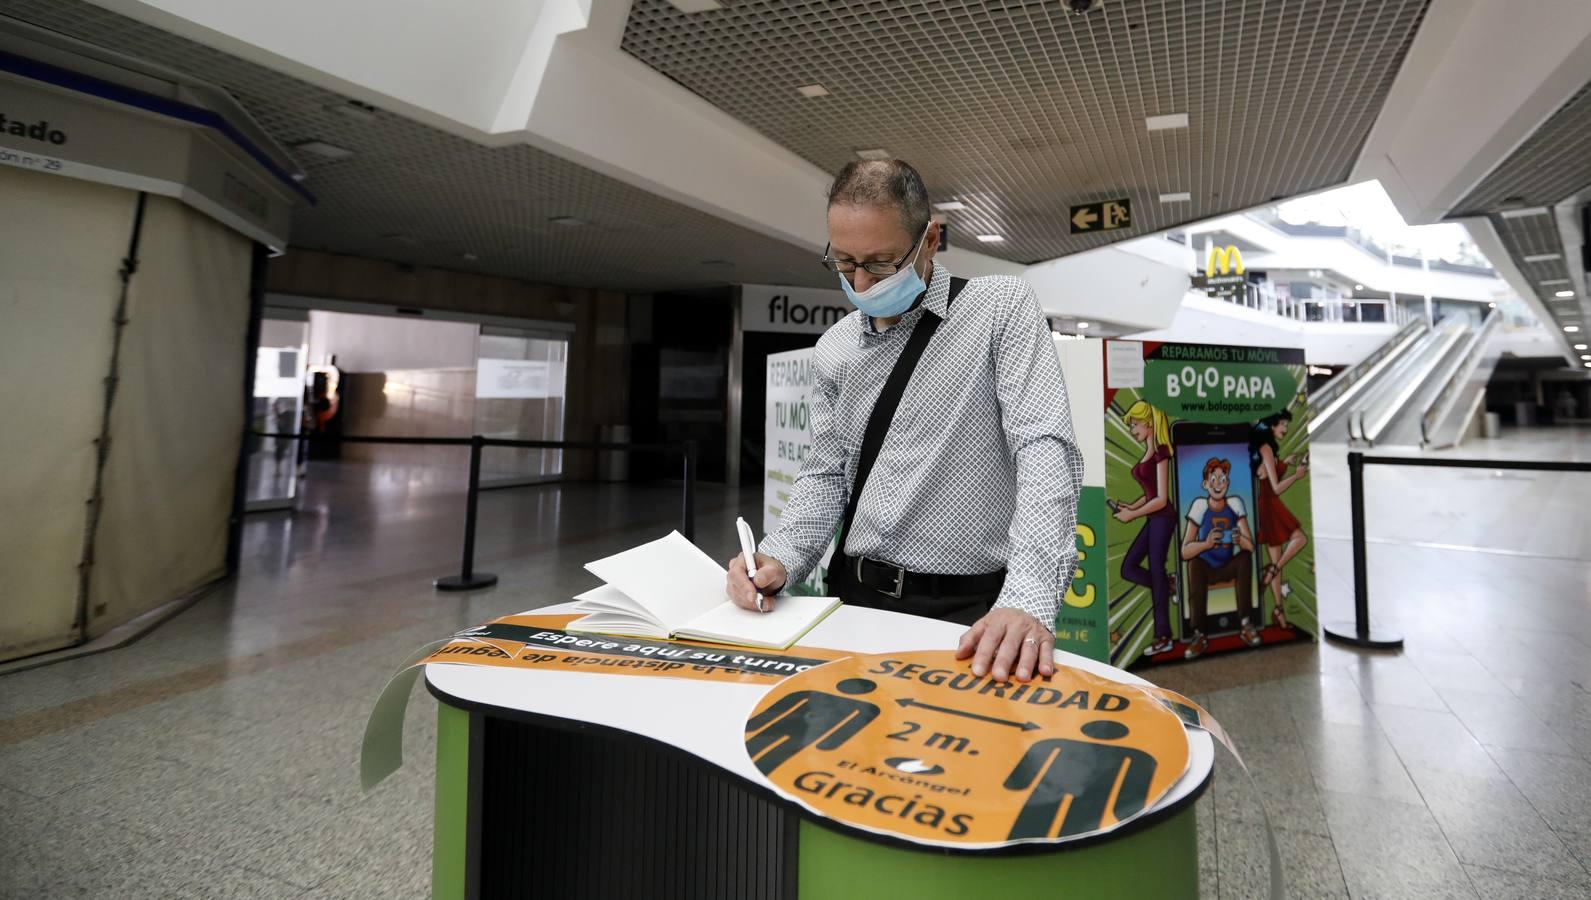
<point>568,783</point>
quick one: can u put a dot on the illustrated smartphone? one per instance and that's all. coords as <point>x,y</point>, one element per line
<point>1195,445</point>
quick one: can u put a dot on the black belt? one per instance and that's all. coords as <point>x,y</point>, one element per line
<point>894,581</point>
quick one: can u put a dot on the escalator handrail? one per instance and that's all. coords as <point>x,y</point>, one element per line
<point>1347,377</point>
<point>1469,359</point>
<point>1416,372</point>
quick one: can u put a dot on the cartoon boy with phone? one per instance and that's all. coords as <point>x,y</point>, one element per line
<point>1218,546</point>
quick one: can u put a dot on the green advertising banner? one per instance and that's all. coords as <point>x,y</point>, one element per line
<point>1208,500</point>
<point>1080,625</point>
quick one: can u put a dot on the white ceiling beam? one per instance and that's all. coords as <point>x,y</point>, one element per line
<point>1480,77</point>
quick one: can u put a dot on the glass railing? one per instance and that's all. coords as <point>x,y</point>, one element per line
<point>1264,297</point>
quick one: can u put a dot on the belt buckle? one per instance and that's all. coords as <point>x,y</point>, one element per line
<point>900,576</point>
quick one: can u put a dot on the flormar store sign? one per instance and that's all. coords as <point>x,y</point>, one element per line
<point>773,307</point>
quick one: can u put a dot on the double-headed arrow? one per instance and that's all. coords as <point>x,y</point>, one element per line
<point>1025,726</point>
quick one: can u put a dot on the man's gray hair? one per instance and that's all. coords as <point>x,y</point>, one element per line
<point>887,183</point>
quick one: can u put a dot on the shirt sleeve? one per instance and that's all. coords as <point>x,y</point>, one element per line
<point>817,499</point>
<point>1237,506</point>
<point>1197,510</point>
<point>1037,419</point>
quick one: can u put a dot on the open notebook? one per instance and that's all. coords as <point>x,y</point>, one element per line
<point>670,589</point>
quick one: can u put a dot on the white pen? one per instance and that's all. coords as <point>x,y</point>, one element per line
<point>748,549</point>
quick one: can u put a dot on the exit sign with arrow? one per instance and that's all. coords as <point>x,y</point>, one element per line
<point>1105,215</point>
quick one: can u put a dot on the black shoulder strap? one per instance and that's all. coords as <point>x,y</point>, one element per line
<point>878,421</point>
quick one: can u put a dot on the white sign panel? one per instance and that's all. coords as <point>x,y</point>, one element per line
<point>518,378</point>
<point>1124,364</point>
<point>278,372</point>
<point>788,430</point>
<point>1084,372</point>
<point>797,310</point>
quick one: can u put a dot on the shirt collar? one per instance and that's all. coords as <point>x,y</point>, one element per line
<point>938,291</point>
<point>937,302</point>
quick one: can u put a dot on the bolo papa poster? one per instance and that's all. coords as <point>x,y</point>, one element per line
<point>1194,527</point>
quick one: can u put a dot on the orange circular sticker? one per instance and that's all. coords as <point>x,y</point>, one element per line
<point>916,746</point>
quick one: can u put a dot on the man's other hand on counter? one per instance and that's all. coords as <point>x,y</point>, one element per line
<point>1007,643</point>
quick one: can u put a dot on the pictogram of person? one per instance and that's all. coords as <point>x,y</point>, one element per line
<point>1056,770</point>
<point>803,718</point>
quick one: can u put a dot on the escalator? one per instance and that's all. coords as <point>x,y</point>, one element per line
<point>1421,388</point>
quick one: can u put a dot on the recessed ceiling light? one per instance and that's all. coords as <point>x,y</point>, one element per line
<point>1552,281</point>
<point>1522,213</point>
<point>991,238</point>
<point>321,148</point>
<point>1564,294</point>
<point>353,109</point>
<point>813,90</point>
<point>1585,356</point>
<point>950,206</point>
<point>1579,346</point>
<point>566,220</point>
<point>1571,328</point>
<point>695,6</point>
<point>470,257</point>
<point>1544,257</point>
<point>1176,197</point>
<point>1082,324</point>
<point>1491,306</point>
<point>1358,287</point>
<point>1161,123</point>
<point>879,153</point>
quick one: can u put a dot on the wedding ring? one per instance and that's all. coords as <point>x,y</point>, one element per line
<point>759,604</point>
<point>1029,641</point>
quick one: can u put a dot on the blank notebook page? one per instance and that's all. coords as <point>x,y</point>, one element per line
<point>669,576</point>
<point>791,617</point>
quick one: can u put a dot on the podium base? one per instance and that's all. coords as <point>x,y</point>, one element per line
<point>460,583</point>
<point>1348,633</point>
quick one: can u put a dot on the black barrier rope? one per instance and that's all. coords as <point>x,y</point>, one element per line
<point>467,578</point>
<point>1360,632</point>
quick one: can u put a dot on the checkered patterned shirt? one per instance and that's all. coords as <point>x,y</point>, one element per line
<point>980,470</point>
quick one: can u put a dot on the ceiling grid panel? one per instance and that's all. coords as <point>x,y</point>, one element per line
<point>1332,121</point>
<point>1552,164</point>
<point>1046,108</point>
<point>1551,167</point>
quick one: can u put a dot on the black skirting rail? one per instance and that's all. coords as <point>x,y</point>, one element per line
<point>1360,632</point>
<point>467,578</point>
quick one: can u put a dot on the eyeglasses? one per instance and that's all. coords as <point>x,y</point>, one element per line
<point>882,269</point>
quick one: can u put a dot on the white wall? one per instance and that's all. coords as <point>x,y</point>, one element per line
<point>1111,284</point>
<point>387,343</point>
<point>436,59</point>
<point>1201,320</point>
<point>1363,267</point>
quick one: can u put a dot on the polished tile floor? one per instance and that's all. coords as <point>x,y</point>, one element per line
<point>216,757</point>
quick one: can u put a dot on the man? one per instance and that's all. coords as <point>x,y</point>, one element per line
<point>1217,522</point>
<point>969,510</point>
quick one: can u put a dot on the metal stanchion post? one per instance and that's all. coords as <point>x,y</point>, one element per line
<point>688,514</point>
<point>1359,632</point>
<point>468,579</point>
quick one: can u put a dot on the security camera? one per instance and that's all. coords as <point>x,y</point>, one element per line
<point>1081,7</point>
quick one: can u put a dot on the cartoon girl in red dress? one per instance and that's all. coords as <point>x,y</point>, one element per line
<point>1279,532</point>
